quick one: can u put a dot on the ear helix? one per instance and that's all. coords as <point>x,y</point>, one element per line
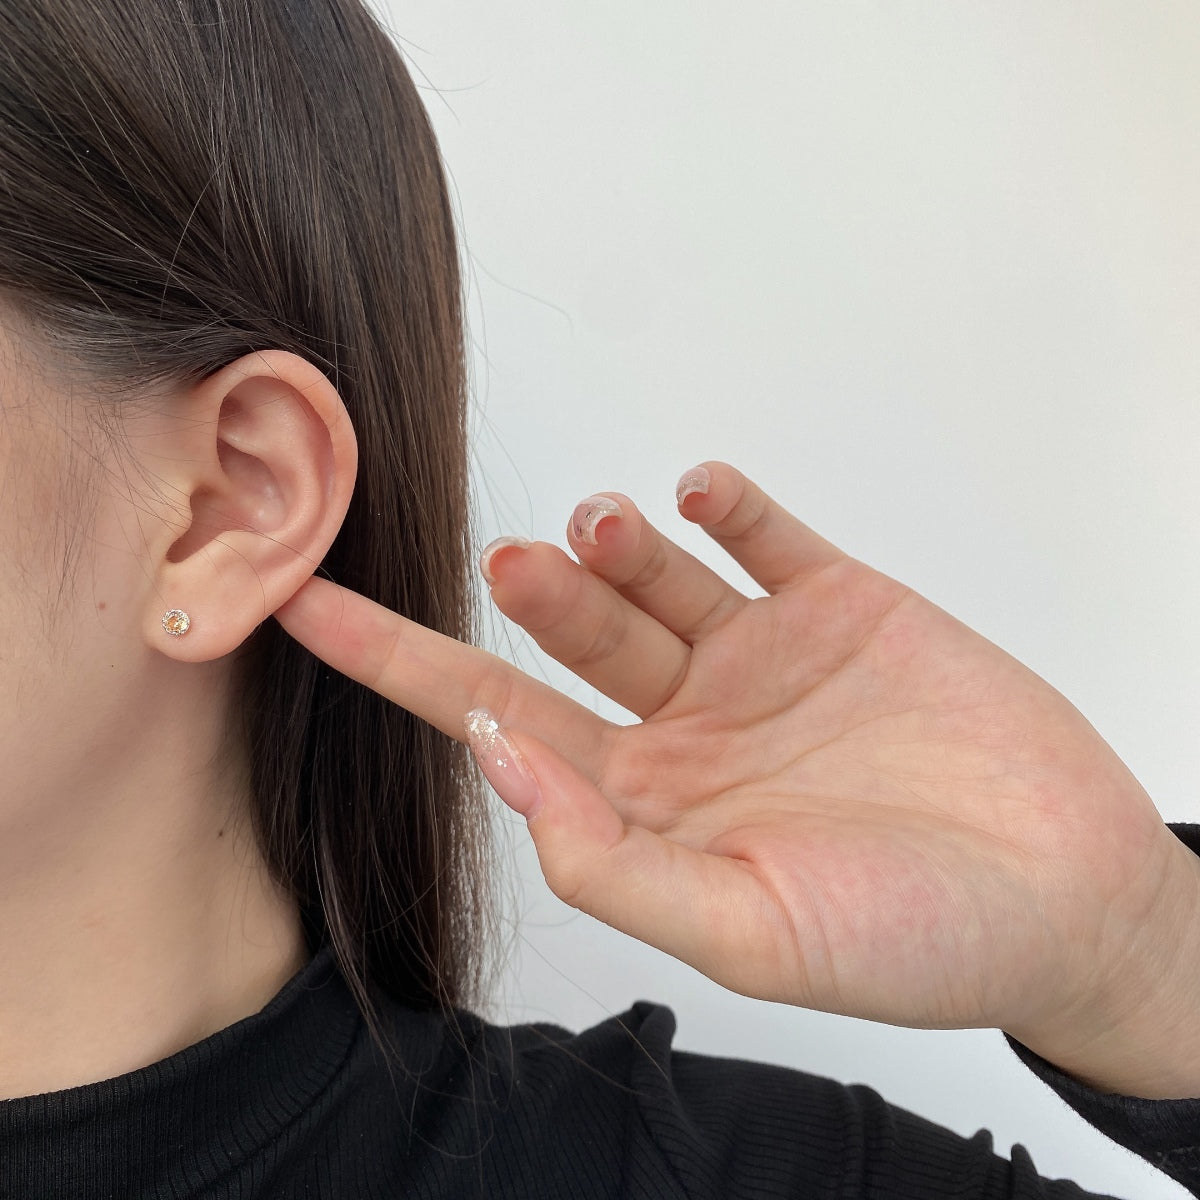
<point>176,622</point>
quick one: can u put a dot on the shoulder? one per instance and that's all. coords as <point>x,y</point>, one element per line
<point>619,1066</point>
<point>615,1111</point>
<point>684,1124</point>
<point>530,1110</point>
<point>621,1041</point>
<point>687,1125</point>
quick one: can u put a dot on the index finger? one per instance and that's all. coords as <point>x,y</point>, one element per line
<point>437,677</point>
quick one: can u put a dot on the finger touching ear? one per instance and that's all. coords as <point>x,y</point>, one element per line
<point>260,461</point>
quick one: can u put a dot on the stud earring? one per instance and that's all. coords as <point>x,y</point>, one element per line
<point>176,622</point>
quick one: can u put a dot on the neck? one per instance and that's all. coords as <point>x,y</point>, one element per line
<point>136,919</point>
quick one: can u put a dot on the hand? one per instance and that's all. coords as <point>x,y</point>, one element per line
<point>838,796</point>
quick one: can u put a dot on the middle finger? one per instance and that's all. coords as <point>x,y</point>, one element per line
<point>659,577</point>
<point>582,622</point>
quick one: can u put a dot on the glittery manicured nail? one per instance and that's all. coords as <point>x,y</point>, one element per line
<point>504,767</point>
<point>485,559</point>
<point>589,513</point>
<point>695,480</point>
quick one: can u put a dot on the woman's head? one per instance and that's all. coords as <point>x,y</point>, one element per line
<point>230,318</point>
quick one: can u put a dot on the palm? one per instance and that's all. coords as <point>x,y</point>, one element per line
<point>838,795</point>
<point>904,803</point>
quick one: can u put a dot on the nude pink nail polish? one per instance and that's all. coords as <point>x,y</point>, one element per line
<point>589,513</point>
<point>485,559</point>
<point>504,767</point>
<point>695,480</point>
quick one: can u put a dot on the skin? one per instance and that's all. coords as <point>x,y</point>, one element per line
<point>135,914</point>
<point>837,796</point>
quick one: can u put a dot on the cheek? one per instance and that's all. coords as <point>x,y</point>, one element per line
<point>46,541</point>
<point>30,527</point>
<point>71,542</point>
<point>27,652</point>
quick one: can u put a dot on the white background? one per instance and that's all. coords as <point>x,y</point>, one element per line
<point>930,274</point>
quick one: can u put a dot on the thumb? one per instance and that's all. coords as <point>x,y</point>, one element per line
<point>704,909</point>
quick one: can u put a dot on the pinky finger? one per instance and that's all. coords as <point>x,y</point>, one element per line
<point>776,549</point>
<point>708,911</point>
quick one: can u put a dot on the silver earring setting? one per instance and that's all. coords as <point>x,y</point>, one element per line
<point>176,622</point>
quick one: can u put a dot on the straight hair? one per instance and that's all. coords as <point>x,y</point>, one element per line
<point>183,182</point>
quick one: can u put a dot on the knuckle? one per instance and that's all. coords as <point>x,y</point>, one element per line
<point>603,642</point>
<point>585,880</point>
<point>748,517</point>
<point>390,661</point>
<point>497,691</point>
<point>723,609</point>
<point>651,571</point>
<point>567,881</point>
<point>553,605</point>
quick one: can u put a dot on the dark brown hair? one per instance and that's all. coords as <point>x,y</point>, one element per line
<point>183,182</point>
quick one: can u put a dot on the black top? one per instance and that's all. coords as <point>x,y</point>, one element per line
<point>295,1101</point>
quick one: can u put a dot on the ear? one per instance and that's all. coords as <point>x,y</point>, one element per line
<point>260,471</point>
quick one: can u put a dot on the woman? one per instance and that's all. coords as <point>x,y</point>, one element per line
<point>244,888</point>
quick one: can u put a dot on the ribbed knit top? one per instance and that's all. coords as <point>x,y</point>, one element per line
<point>295,1101</point>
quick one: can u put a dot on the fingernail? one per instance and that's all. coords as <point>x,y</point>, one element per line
<point>695,480</point>
<point>504,767</point>
<point>485,559</point>
<point>589,513</point>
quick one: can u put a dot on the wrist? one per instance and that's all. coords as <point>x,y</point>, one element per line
<point>1136,1031</point>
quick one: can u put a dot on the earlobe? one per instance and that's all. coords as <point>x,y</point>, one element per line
<point>267,465</point>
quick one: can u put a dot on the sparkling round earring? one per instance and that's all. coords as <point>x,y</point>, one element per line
<point>176,622</point>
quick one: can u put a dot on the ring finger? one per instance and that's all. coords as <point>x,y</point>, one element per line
<point>578,619</point>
